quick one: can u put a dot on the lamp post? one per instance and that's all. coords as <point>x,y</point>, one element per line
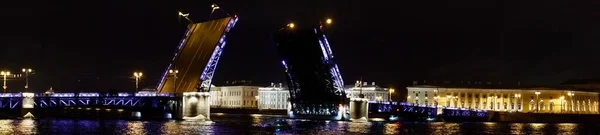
<point>174,73</point>
<point>562,103</point>
<point>537,100</point>
<point>570,94</point>
<point>518,101</point>
<point>448,100</point>
<point>137,76</point>
<point>4,74</point>
<point>27,71</point>
<point>390,94</point>
<point>257,103</point>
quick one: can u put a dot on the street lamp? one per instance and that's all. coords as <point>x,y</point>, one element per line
<point>257,98</point>
<point>291,25</point>
<point>4,73</point>
<point>27,71</point>
<point>448,99</point>
<point>328,21</point>
<point>390,94</point>
<point>137,76</point>
<point>562,103</point>
<point>517,98</point>
<point>571,94</point>
<point>537,104</point>
<point>174,73</point>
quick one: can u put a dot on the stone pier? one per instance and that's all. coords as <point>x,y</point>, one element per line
<point>196,105</point>
<point>359,109</point>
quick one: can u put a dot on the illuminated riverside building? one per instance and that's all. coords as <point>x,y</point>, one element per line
<point>273,97</point>
<point>517,99</point>
<point>234,96</point>
<point>371,92</point>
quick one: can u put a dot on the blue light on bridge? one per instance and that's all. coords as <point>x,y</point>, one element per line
<point>62,95</point>
<point>10,94</point>
<point>122,94</point>
<point>89,94</point>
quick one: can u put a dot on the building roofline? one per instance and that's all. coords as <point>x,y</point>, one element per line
<point>556,88</point>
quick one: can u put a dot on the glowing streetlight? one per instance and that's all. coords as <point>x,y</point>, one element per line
<point>185,15</point>
<point>571,94</point>
<point>562,103</point>
<point>537,104</point>
<point>27,71</point>
<point>291,25</point>
<point>518,97</point>
<point>5,73</point>
<point>137,76</point>
<point>174,73</point>
<point>390,93</point>
<point>328,21</point>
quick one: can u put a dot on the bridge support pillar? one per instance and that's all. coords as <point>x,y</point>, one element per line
<point>359,109</point>
<point>27,107</point>
<point>196,105</point>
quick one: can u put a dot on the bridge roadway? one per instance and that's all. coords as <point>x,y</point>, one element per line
<point>165,105</point>
<point>411,112</point>
<point>186,105</point>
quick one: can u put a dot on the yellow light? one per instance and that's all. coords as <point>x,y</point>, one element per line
<point>171,71</point>
<point>291,25</point>
<point>392,90</point>
<point>30,70</point>
<point>328,21</point>
<point>23,70</point>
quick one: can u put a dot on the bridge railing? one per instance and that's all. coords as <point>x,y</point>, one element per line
<point>88,94</point>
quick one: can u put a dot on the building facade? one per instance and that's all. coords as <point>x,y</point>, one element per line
<point>372,92</point>
<point>535,100</point>
<point>273,98</point>
<point>234,97</point>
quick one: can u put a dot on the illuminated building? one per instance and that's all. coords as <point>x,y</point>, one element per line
<point>371,92</point>
<point>273,97</point>
<point>510,99</point>
<point>234,96</point>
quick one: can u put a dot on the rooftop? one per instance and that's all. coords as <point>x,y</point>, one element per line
<point>509,87</point>
<point>496,85</point>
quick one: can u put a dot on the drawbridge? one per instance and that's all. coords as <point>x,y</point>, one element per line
<point>193,66</point>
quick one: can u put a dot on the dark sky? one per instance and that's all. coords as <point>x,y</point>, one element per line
<point>98,44</point>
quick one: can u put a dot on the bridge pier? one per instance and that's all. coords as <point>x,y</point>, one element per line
<point>27,108</point>
<point>196,105</point>
<point>359,109</point>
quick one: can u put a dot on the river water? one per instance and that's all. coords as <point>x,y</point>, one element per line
<point>267,124</point>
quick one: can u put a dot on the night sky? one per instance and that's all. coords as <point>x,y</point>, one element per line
<point>97,45</point>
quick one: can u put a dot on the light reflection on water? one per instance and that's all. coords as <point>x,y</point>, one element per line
<point>266,124</point>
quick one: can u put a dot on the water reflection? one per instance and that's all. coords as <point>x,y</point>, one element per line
<point>516,128</point>
<point>6,127</point>
<point>567,128</point>
<point>135,127</point>
<point>391,128</point>
<point>255,124</point>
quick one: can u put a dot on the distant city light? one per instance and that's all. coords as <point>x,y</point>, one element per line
<point>291,25</point>
<point>328,21</point>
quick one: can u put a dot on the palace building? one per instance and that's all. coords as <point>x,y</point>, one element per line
<point>510,99</point>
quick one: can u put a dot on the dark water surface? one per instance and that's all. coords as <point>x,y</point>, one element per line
<point>259,124</point>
